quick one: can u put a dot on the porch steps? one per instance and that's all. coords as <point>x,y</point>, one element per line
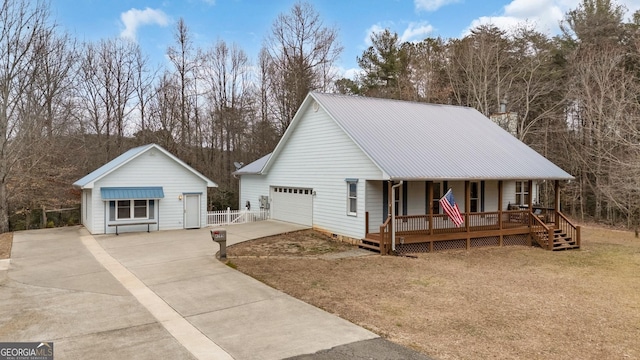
<point>370,244</point>
<point>562,242</point>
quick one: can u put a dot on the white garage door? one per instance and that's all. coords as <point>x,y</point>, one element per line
<point>293,205</point>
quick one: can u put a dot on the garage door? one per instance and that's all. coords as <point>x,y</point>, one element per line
<point>294,205</point>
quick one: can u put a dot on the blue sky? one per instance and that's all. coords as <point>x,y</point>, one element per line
<point>246,22</point>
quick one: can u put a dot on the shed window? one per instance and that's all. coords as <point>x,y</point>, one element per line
<point>352,197</point>
<point>131,209</point>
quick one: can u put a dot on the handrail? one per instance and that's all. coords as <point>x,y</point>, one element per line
<point>544,237</point>
<point>568,228</point>
<point>385,236</point>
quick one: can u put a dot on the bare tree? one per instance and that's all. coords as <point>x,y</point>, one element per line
<point>480,70</point>
<point>182,58</point>
<point>302,52</point>
<point>108,90</point>
<point>22,24</point>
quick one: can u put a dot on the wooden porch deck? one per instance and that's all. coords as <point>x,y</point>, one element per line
<point>427,233</point>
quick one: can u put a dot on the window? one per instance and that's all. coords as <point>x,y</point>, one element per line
<point>437,194</point>
<point>352,197</point>
<point>522,192</point>
<point>474,197</point>
<point>131,209</point>
<point>124,209</point>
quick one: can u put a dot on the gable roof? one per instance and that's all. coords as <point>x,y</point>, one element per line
<point>254,167</point>
<point>88,181</point>
<point>420,141</point>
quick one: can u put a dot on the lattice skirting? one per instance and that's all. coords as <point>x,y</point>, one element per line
<point>511,240</point>
<point>508,240</point>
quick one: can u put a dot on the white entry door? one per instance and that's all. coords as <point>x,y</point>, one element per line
<point>293,205</point>
<point>192,211</point>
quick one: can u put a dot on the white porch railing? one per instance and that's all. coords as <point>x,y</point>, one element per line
<point>227,217</point>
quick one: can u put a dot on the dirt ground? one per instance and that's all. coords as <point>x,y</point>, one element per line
<point>502,303</point>
<point>6,240</point>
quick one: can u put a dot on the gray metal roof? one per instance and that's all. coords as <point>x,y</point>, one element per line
<point>254,167</point>
<point>411,140</point>
<point>88,180</point>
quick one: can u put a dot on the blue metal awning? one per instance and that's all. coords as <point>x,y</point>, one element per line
<point>131,193</point>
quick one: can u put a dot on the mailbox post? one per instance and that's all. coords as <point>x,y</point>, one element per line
<point>220,236</point>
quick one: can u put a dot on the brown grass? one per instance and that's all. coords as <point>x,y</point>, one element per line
<point>6,240</point>
<point>504,303</point>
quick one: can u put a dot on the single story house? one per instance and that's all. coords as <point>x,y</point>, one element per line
<point>146,188</point>
<point>372,170</point>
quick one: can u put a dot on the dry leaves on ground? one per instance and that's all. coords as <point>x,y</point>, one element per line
<point>6,240</point>
<point>507,303</point>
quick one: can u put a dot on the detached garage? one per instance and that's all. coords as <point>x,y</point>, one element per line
<point>145,189</point>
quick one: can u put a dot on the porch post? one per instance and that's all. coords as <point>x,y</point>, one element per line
<point>530,195</point>
<point>389,197</point>
<point>530,214</point>
<point>556,202</point>
<point>467,206</point>
<point>500,210</point>
<point>430,205</point>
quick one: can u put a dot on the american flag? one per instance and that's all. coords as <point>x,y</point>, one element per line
<point>451,208</point>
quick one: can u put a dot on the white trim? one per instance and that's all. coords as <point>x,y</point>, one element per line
<point>186,210</point>
<point>349,182</point>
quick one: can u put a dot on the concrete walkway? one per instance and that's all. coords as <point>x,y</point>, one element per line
<point>159,294</point>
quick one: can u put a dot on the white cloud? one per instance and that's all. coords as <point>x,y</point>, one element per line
<point>351,73</point>
<point>545,15</point>
<point>416,31</point>
<point>374,29</point>
<point>134,18</point>
<point>432,5</point>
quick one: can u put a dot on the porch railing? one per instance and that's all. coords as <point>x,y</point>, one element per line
<point>228,217</point>
<point>385,237</point>
<point>541,233</point>
<point>568,227</point>
<point>441,224</point>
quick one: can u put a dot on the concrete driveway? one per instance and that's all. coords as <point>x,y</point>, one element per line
<point>155,295</point>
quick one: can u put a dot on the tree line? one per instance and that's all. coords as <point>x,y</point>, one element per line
<point>68,107</point>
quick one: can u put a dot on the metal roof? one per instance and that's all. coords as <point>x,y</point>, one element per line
<point>254,167</point>
<point>87,181</point>
<point>119,193</point>
<point>411,140</point>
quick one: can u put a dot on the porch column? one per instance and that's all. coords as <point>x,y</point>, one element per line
<point>430,205</point>
<point>467,206</point>
<point>556,202</point>
<point>389,197</point>
<point>500,210</point>
<point>530,195</point>
<point>530,214</point>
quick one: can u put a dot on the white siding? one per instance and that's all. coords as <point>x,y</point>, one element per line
<point>320,156</point>
<point>416,199</point>
<point>374,205</point>
<point>491,196</point>
<point>86,208</point>
<point>152,168</point>
<point>251,188</point>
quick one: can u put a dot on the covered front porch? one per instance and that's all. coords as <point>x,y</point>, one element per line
<point>514,224</point>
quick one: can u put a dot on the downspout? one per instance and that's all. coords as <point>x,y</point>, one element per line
<point>393,214</point>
